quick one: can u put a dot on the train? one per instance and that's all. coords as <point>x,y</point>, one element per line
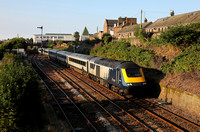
<point>123,77</point>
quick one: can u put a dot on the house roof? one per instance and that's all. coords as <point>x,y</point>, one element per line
<point>131,28</point>
<point>56,34</point>
<point>177,19</point>
<point>111,22</point>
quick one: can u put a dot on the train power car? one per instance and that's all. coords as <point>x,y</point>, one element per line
<point>122,77</point>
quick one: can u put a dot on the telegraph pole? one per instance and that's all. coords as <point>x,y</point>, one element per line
<point>141,20</point>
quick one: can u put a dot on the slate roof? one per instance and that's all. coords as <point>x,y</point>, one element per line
<point>177,19</point>
<point>131,28</point>
<point>111,22</point>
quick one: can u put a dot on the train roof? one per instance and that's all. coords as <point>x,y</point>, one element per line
<point>114,63</point>
<point>128,65</point>
<point>45,49</point>
<point>107,62</point>
<point>81,56</point>
<point>53,50</point>
<point>64,52</point>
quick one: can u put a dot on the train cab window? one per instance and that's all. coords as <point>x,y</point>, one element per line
<point>133,72</point>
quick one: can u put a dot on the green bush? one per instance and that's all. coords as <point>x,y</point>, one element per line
<point>187,61</point>
<point>121,50</point>
<point>14,44</point>
<point>181,35</point>
<point>20,108</point>
<point>140,33</point>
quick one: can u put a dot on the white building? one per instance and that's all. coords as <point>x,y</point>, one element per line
<point>52,37</point>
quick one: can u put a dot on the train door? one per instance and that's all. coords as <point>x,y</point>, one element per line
<point>118,76</point>
<point>97,70</point>
<point>87,66</point>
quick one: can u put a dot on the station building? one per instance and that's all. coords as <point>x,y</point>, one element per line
<point>52,37</point>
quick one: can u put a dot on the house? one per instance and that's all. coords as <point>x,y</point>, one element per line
<point>128,31</point>
<point>109,26</point>
<point>163,24</point>
<point>123,22</point>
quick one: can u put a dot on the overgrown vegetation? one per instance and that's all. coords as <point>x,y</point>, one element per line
<point>14,44</point>
<point>20,104</point>
<point>181,35</point>
<point>140,33</point>
<point>121,50</point>
<point>107,38</point>
<point>187,61</point>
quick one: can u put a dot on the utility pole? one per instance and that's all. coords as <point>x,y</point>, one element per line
<point>141,20</point>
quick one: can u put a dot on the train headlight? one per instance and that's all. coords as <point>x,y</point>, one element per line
<point>144,83</point>
<point>129,84</point>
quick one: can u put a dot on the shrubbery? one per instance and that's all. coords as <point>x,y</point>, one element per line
<point>181,35</point>
<point>14,44</point>
<point>20,104</point>
<point>140,33</point>
<point>121,50</point>
<point>187,61</point>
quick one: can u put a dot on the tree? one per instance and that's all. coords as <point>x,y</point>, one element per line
<point>85,31</point>
<point>20,109</point>
<point>76,36</point>
<point>14,44</point>
<point>140,33</point>
<point>107,38</point>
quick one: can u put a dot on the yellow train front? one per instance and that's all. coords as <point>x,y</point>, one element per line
<point>132,78</point>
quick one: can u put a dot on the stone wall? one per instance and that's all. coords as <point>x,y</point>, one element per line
<point>181,99</point>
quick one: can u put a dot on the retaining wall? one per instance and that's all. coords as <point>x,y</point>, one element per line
<point>181,99</point>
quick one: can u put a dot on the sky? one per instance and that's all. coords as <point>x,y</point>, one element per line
<point>22,17</point>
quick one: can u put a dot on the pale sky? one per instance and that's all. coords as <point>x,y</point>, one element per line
<point>22,17</point>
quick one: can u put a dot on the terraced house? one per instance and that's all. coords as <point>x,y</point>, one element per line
<point>128,31</point>
<point>163,24</point>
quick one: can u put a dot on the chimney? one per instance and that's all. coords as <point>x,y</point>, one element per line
<point>172,13</point>
<point>145,20</point>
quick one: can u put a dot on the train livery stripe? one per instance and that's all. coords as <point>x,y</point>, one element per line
<point>133,79</point>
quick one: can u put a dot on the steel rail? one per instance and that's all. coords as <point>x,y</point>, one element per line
<point>98,92</point>
<point>175,115</point>
<point>145,109</point>
<point>69,99</point>
<point>73,129</point>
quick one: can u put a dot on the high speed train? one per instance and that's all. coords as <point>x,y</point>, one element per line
<point>120,76</point>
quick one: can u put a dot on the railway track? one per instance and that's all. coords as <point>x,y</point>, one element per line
<point>177,122</point>
<point>83,123</point>
<point>124,119</point>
